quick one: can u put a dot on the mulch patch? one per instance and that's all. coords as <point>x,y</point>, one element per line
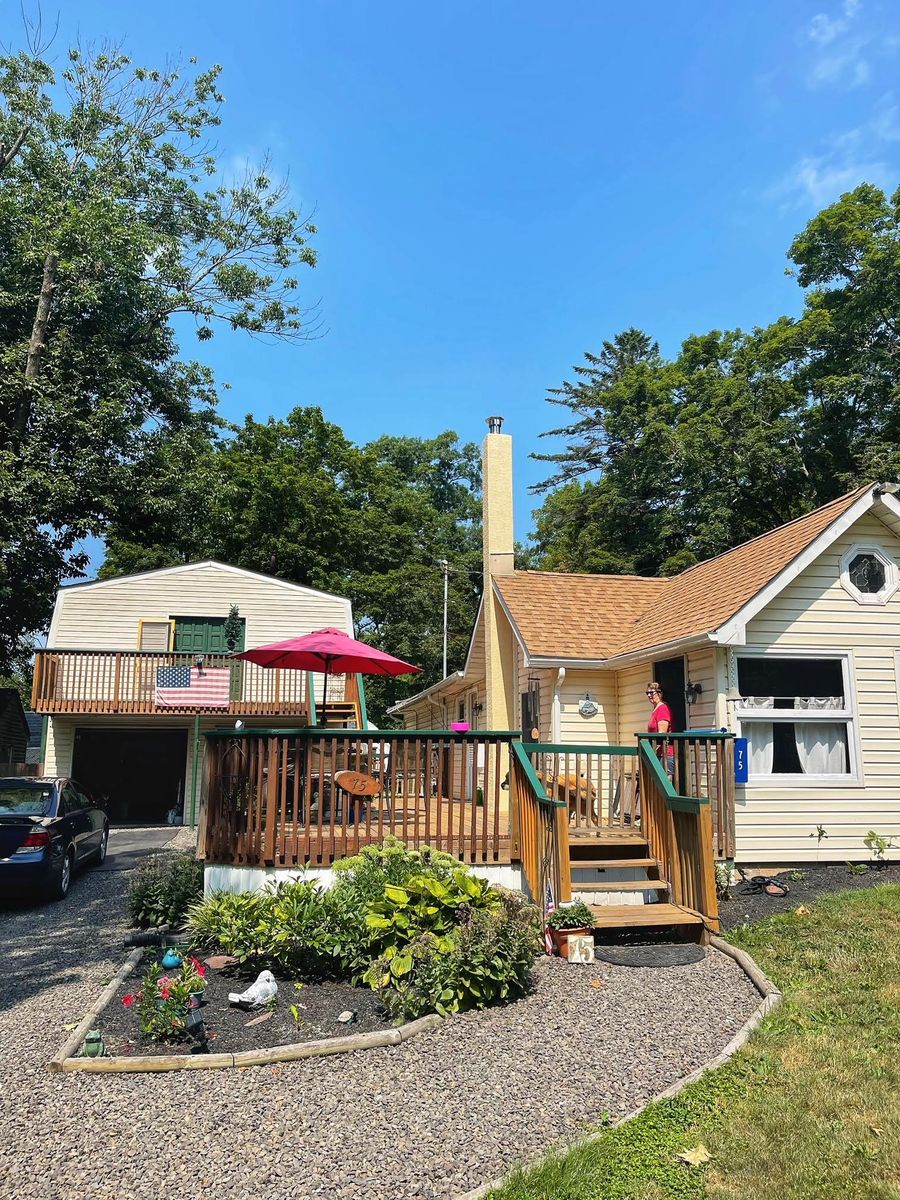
<point>228,1031</point>
<point>743,907</point>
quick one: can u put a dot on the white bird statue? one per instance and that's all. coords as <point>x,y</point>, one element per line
<point>258,994</point>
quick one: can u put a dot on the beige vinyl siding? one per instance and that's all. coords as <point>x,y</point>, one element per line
<point>106,616</point>
<point>700,667</point>
<point>631,691</point>
<point>774,823</point>
<point>60,746</point>
<point>597,730</point>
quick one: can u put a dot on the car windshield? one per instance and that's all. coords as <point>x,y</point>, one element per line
<point>25,800</point>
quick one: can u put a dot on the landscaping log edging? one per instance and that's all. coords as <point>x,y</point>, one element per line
<point>66,1058</point>
<point>771,998</point>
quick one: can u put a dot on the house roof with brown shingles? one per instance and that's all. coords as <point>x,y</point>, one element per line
<point>599,616</point>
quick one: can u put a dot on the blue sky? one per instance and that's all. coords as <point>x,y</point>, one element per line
<point>500,186</point>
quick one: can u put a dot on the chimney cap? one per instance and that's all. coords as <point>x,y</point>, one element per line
<point>494,424</point>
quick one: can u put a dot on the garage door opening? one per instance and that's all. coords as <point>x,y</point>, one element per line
<point>138,775</point>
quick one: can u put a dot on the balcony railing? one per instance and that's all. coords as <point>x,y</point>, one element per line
<point>129,681</point>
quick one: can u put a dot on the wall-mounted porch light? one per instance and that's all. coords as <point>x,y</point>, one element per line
<point>692,691</point>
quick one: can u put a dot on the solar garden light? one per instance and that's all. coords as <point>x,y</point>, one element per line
<point>196,1030</point>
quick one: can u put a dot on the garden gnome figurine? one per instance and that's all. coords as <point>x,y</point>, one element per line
<point>258,994</point>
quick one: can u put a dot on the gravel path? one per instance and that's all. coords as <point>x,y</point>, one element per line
<point>428,1119</point>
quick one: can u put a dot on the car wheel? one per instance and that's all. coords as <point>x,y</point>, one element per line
<point>100,857</point>
<point>60,887</point>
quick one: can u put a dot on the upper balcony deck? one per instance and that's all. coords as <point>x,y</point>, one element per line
<point>142,682</point>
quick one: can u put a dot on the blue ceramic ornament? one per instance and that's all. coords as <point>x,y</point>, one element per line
<point>171,959</point>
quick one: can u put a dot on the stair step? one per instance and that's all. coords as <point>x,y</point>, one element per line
<point>607,839</point>
<point>627,916</point>
<point>623,885</point>
<point>603,864</point>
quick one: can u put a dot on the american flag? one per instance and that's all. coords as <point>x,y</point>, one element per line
<point>549,906</point>
<point>194,687</point>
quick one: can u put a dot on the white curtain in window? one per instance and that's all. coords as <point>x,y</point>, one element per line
<point>761,746</point>
<point>821,747</point>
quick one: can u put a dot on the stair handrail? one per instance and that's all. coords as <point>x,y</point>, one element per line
<point>540,829</point>
<point>682,837</point>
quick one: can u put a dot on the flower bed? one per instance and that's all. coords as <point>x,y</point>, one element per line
<point>232,1030</point>
<point>402,934</point>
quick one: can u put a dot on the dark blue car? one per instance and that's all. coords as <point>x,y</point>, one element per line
<point>48,827</point>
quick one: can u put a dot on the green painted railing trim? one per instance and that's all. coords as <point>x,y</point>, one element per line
<point>697,734</point>
<point>363,711</point>
<point>560,748</point>
<point>383,735</point>
<point>673,801</point>
<point>540,792</point>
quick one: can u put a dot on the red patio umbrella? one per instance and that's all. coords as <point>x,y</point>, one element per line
<point>330,651</point>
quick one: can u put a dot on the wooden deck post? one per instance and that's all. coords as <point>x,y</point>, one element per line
<point>561,817</point>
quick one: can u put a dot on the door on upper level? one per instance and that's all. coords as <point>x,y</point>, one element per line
<point>203,635</point>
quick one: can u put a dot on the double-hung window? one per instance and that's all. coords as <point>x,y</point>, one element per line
<point>797,715</point>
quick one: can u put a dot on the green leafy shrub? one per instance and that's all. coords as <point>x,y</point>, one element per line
<point>284,927</point>
<point>571,916</point>
<point>487,958</point>
<point>423,905</point>
<point>361,880</point>
<point>163,888</point>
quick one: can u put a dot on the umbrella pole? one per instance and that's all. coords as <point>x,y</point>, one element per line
<point>324,718</point>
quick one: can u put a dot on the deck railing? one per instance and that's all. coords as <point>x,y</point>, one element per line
<point>677,824</point>
<point>703,762</point>
<point>540,829</point>
<point>278,797</point>
<point>125,681</point>
<point>597,785</point>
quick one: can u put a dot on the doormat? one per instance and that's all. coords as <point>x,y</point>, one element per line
<point>659,954</point>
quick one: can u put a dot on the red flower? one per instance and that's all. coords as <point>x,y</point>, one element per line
<point>128,1001</point>
<point>164,992</point>
<point>201,971</point>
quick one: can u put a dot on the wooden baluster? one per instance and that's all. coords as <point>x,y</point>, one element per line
<point>270,817</point>
<point>427,782</point>
<point>498,767</point>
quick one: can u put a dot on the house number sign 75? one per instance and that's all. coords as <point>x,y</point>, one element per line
<point>741,764</point>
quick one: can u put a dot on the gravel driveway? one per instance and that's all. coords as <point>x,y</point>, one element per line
<point>431,1118</point>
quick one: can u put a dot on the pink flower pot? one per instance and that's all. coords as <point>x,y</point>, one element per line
<point>460,726</point>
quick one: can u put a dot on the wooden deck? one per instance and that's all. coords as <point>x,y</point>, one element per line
<point>275,798</point>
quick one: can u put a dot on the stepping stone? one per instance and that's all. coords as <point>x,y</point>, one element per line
<point>218,961</point>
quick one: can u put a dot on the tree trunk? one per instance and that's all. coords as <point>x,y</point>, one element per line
<point>38,340</point>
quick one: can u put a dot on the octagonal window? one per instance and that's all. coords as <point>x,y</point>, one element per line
<point>869,575</point>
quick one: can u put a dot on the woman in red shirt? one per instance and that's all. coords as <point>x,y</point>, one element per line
<point>661,722</point>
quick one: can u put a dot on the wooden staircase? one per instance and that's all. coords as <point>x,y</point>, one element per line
<point>341,714</point>
<point>606,862</point>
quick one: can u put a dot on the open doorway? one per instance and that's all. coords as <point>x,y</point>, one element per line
<point>669,674</point>
<point>138,775</point>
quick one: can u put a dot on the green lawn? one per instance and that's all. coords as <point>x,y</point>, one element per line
<point>809,1109</point>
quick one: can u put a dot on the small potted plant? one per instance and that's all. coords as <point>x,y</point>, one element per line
<point>567,921</point>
